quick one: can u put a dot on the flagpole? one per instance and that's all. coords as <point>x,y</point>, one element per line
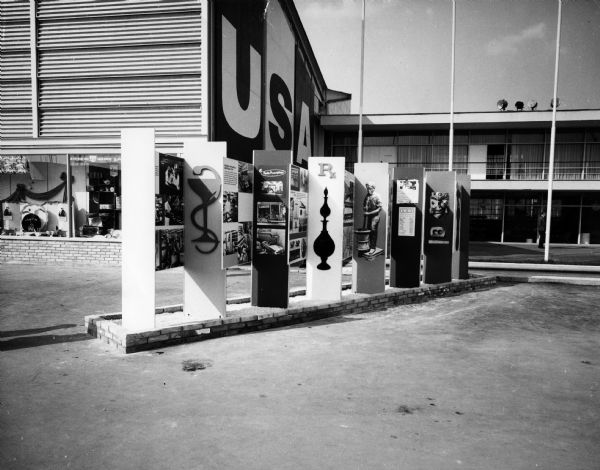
<point>451,137</point>
<point>552,138</point>
<point>362,72</point>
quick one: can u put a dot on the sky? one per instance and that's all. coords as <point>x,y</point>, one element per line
<point>505,49</point>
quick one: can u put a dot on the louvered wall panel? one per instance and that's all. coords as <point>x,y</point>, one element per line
<point>15,95</point>
<point>15,66</point>
<point>172,59</point>
<point>14,10</point>
<point>91,123</point>
<point>15,124</point>
<point>70,8</point>
<point>147,91</point>
<point>14,35</point>
<point>104,32</point>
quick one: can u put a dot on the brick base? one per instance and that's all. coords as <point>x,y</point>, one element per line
<point>67,251</point>
<point>108,327</point>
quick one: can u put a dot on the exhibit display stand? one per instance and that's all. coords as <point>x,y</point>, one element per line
<point>408,194</point>
<point>325,227</point>
<point>204,294</point>
<point>439,207</point>
<point>137,177</point>
<point>371,198</point>
<point>270,268</point>
<point>460,256</point>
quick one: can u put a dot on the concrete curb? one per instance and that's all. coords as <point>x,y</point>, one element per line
<point>567,268</point>
<point>578,281</point>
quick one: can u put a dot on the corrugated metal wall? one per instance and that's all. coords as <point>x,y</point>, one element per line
<point>104,66</point>
<point>15,70</point>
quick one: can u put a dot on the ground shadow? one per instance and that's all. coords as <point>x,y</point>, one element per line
<point>41,340</point>
<point>32,331</point>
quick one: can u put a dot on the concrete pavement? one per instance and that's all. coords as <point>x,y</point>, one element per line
<point>505,378</point>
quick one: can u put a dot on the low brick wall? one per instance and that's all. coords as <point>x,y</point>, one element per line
<point>108,327</point>
<point>68,251</point>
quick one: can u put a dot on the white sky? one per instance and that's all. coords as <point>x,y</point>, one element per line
<point>504,49</point>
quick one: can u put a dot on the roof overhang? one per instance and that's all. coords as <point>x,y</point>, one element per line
<point>441,121</point>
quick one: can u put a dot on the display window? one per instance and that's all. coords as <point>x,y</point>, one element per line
<point>33,195</point>
<point>96,190</point>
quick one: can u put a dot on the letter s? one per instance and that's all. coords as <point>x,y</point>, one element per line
<point>277,88</point>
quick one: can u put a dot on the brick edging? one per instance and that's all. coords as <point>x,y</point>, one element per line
<point>106,329</point>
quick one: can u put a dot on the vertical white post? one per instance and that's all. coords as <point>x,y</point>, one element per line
<point>362,73</point>
<point>451,139</point>
<point>137,212</point>
<point>552,138</point>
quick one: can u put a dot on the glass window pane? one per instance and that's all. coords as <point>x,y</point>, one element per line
<point>96,194</point>
<point>38,197</point>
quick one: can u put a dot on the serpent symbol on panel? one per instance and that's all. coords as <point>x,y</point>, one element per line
<point>207,185</point>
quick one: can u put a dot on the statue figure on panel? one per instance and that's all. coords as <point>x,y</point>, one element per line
<point>371,210</point>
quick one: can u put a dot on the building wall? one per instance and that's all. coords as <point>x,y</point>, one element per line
<point>59,251</point>
<point>89,69</point>
<point>509,168</point>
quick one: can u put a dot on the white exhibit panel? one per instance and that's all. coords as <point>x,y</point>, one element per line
<point>371,200</point>
<point>204,289</point>
<point>326,189</point>
<point>137,212</point>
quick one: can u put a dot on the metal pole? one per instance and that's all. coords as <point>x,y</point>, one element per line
<point>362,72</point>
<point>552,138</point>
<point>451,139</point>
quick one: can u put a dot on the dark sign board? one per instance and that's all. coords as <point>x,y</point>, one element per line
<point>407,227</point>
<point>440,196</point>
<point>270,269</point>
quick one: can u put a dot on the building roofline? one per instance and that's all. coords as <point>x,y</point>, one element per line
<point>296,23</point>
<point>464,120</point>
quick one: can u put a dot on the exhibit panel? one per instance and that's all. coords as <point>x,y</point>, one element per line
<point>407,226</point>
<point>204,279</point>
<point>138,256</point>
<point>348,216</point>
<point>371,202</point>
<point>463,208</point>
<point>298,226</point>
<point>237,212</point>
<point>270,268</point>
<point>326,178</point>
<point>168,216</point>
<point>440,199</point>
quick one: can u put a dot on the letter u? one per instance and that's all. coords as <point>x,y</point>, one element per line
<point>245,122</point>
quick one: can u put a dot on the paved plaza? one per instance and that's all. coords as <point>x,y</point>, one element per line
<point>503,378</point>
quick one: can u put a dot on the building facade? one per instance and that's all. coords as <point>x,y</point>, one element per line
<point>73,74</point>
<point>507,156</point>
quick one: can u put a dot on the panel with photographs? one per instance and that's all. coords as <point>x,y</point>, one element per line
<point>169,197</point>
<point>168,248</point>
<point>348,216</point>
<point>237,212</point>
<point>168,214</point>
<point>298,224</point>
<point>272,209</point>
<point>270,241</point>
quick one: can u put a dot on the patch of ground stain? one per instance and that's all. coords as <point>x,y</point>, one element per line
<point>407,410</point>
<point>191,365</point>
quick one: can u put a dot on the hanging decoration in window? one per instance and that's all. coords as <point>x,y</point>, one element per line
<point>13,164</point>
